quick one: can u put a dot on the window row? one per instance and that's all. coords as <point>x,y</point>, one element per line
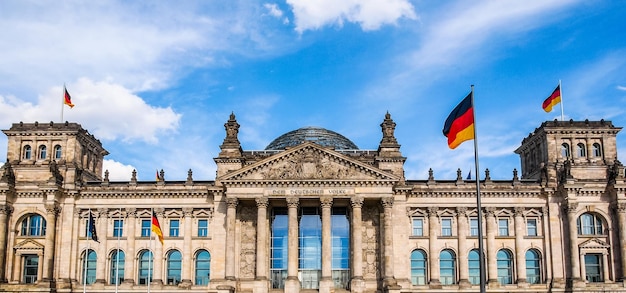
<point>42,153</point>
<point>448,267</point>
<point>581,151</point>
<point>173,267</point>
<point>446,226</point>
<point>202,228</point>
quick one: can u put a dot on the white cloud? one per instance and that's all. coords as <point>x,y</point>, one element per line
<point>273,10</point>
<point>108,110</point>
<point>621,88</point>
<point>369,14</point>
<point>117,170</point>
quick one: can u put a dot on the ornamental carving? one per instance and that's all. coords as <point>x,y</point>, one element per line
<point>371,246</point>
<point>572,207</point>
<point>620,207</point>
<point>519,211</point>
<point>232,202</point>
<point>187,211</point>
<point>247,260</point>
<point>387,202</point>
<point>309,164</point>
<point>432,211</point>
<point>292,202</point>
<point>131,212</point>
<point>6,209</point>
<point>356,202</point>
<point>52,209</point>
<point>326,202</point>
<point>261,202</point>
<point>461,211</point>
<point>490,211</point>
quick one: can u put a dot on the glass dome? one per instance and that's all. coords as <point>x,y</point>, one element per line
<point>321,136</point>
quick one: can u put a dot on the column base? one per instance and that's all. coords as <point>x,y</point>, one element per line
<point>434,284</point>
<point>185,284</point>
<point>493,283</point>
<point>464,284</point>
<point>357,285</point>
<point>522,283</point>
<point>64,284</point>
<point>326,285</point>
<point>156,283</point>
<point>576,283</point>
<point>390,283</point>
<point>261,285</point>
<point>292,284</point>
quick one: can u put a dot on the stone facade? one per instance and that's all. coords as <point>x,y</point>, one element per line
<point>560,226</point>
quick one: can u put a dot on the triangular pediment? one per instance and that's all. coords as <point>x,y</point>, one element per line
<point>309,162</point>
<point>29,244</point>
<point>593,243</point>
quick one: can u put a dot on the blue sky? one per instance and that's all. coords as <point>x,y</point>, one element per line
<point>155,81</point>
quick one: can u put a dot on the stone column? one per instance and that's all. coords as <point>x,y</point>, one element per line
<point>492,263</point>
<point>357,283</point>
<point>326,283</point>
<point>621,218</point>
<point>129,261</point>
<point>433,253</point>
<point>158,253</point>
<point>102,233</point>
<point>261,243</point>
<point>231,217</point>
<point>389,278</point>
<point>605,267</point>
<point>292,284</point>
<point>187,253</point>
<point>5,210</point>
<point>463,228</point>
<point>573,242</point>
<point>52,210</point>
<point>520,255</point>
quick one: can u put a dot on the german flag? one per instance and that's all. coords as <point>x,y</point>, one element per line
<point>553,99</point>
<point>67,99</point>
<point>156,228</point>
<point>459,126</point>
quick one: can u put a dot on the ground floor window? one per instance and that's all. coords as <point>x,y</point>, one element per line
<point>473,264</point>
<point>90,262</point>
<point>447,267</point>
<point>203,267</point>
<point>145,267</point>
<point>533,266</point>
<point>340,231</point>
<point>31,267</point>
<point>593,268</point>
<point>310,247</point>
<point>418,267</point>
<point>117,267</point>
<point>278,247</point>
<point>174,267</point>
<point>505,267</point>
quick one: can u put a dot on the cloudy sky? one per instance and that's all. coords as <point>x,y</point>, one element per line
<point>155,81</point>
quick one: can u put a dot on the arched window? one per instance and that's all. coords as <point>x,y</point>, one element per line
<point>89,269</point>
<point>33,225</point>
<point>590,224</point>
<point>174,266</point>
<point>565,151</point>
<point>597,150</point>
<point>418,267</point>
<point>27,152</point>
<point>145,267</point>
<point>58,152</point>
<point>31,268</point>
<point>447,267</point>
<point>117,267</point>
<point>42,152</point>
<point>533,266</point>
<point>473,265</point>
<point>505,267</point>
<point>580,150</point>
<point>203,267</point>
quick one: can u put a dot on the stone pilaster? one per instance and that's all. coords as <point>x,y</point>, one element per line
<point>492,265</point>
<point>158,254</point>
<point>326,283</point>
<point>129,263</point>
<point>261,245</point>
<point>52,211</point>
<point>520,257</point>
<point>463,228</point>
<point>5,211</point>
<point>187,252</point>
<point>231,216</point>
<point>357,283</point>
<point>102,219</point>
<point>389,279</point>
<point>433,256</point>
<point>573,242</point>
<point>621,217</point>
<point>292,284</point>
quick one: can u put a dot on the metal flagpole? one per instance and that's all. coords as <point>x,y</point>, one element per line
<point>86,252</point>
<point>117,255</point>
<point>62,102</point>
<point>481,249</point>
<point>151,254</point>
<point>561,93</point>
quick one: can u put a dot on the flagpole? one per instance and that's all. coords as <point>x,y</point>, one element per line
<point>62,102</point>
<point>117,255</point>
<point>86,252</point>
<point>481,249</point>
<point>561,89</point>
<point>151,254</point>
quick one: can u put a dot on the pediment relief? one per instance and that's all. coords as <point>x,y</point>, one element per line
<point>29,244</point>
<point>594,243</point>
<point>309,162</point>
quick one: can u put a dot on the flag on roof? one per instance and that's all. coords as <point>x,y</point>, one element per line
<point>459,125</point>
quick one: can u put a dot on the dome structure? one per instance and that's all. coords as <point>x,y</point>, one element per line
<point>321,136</point>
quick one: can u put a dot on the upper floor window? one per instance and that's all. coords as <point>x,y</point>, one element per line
<point>27,152</point>
<point>33,225</point>
<point>57,152</point>
<point>446,227</point>
<point>174,228</point>
<point>580,150</point>
<point>590,224</point>
<point>473,226</point>
<point>503,227</point>
<point>418,227</point>
<point>203,228</point>
<point>597,151</point>
<point>42,152</point>
<point>565,151</point>
<point>118,228</point>
<point>531,227</point>
<point>145,228</point>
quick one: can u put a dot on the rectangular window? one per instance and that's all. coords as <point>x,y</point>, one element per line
<point>145,228</point>
<point>593,268</point>
<point>118,228</point>
<point>418,227</point>
<point>531,227</point>
<point>473,227</point>
<point>203,228</point>
<point>446,227</point>
<point>503,227</point>
<point>174,228</point>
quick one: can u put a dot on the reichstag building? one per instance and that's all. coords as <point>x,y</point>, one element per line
<point>312,213</point>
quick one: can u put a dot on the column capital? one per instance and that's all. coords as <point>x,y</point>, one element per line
<point>356,202</point>
<point>326,202</point>
<point>519,211</point>
<point>131,212</point>
<point>432,211</point>
<point>187,211</point>
<point>571,207</point>
<point>232,202</point>
<point>52,209</point>
<point>620,207</point>
<point>461,211</point>
<point>292,202</point>
<point>103,213</point>
<point>261,202</point>
<point>490,211</point>
<point>6,209</point>
<point>159,211</point>
<point>387,202</point>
